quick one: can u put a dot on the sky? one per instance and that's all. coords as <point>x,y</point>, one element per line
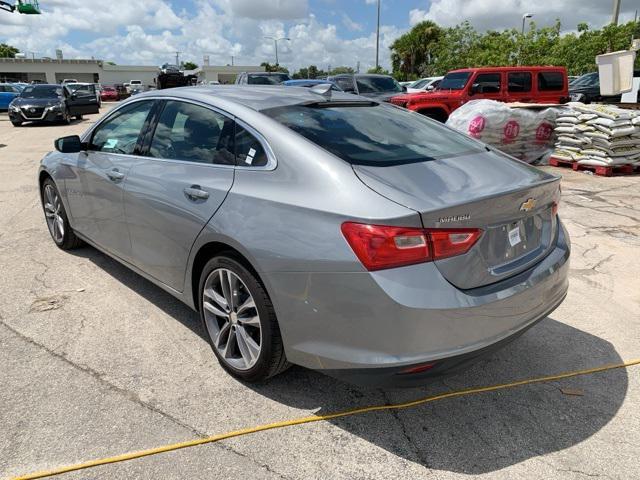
<point>321,32</point>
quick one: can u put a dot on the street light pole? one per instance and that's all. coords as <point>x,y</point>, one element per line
<point>378,38</point>
<point>616,12</point>
<point>275,41</point>
<point>524,18</point>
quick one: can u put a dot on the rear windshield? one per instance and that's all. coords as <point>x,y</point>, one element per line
<point>379,135</point>
<point>271,79</point>
<point>377,84</point>
<point>41,92</point>
<point>454,81</point>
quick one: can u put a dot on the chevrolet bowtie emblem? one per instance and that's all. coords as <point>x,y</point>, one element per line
<point>528,205</point>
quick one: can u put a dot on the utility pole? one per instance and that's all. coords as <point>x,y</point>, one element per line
<point>177,58</point>
<point>358,67</point>
<point>232,60</point>
<point>616,12</point>
<point>378,38</point>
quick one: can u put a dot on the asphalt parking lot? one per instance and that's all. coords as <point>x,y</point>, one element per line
<point>96,361</point>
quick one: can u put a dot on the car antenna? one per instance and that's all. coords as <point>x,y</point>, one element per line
<point>323,89</point>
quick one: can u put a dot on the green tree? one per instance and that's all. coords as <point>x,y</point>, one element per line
<point>430,50</point>
<point>379,70</point>
<point>412,52</point>
<point>339,70</point>
<point>189,65</point>
<point>8,51</point>
<point>274,68</point>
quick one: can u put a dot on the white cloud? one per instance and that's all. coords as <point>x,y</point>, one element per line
<point>270,9</point>
<point>153,31</point>
<point>498,14</point>
<point>351,24</point>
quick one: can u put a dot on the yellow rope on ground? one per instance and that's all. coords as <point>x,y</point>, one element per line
<point>314,418</point>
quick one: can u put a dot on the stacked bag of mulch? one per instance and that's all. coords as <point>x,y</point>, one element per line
<point>525,133</point>
<point>599,135</point>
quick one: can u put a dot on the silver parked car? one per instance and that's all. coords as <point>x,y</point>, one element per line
<point>314,227</point>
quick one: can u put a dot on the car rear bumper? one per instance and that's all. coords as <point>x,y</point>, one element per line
<point>391,320</point>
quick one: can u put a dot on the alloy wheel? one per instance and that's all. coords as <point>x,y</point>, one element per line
<point>53,213</point>
<point>232,319</point>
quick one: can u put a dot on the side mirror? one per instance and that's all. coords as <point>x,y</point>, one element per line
<point>70,144</point>
<point>404,88</point>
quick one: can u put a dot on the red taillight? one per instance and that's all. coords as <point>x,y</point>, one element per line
<point>383,246</point>
<point>554,209</point>
<point>452,242</point>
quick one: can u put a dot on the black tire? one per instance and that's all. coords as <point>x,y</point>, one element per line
<point>16,124</point>
<point>69,239</point>
<point>78,117</point>
<point>271,360</point>
<point>66,117</point>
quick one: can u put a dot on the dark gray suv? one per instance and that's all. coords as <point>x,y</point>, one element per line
<point>378,87</point>
<point>262,78</point>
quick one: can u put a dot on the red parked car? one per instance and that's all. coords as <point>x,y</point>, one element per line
<point>109,94</point>
<point>505,84</point>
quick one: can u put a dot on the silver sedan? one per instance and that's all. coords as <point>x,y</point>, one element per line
<point>315,227</point>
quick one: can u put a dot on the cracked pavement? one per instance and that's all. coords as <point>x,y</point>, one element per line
<point>96,361</point>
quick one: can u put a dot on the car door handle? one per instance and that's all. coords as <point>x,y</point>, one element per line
<point>194,192</point>
<point>115,175</point>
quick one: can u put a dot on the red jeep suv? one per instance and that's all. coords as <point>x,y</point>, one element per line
<point>505,84</point>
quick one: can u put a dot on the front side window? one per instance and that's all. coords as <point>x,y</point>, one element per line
<point>193,133</point>
<point>549,81</point>
<point>378,135</point>
<point>488,82</point>
<point>519,81</point>
<point>120,133</point>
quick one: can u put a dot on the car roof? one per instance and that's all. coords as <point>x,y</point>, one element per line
<point>254,97</point>
<point>360,75</point>
<point>307,81</point>
<point>266,73</point>
<point>508,69</point>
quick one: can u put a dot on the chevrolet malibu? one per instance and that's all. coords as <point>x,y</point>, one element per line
<point>315,228</point>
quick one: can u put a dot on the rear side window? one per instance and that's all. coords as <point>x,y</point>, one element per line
<point>377,84</point>
<point>345,83</point>
<point>519,81</point>
<point>378,134</point>
<point>119,134</point>
<point>488,82</point>
<point>267,79</point>
<point>193,133</point>
<point>249,150</point>
<point>549,81</point>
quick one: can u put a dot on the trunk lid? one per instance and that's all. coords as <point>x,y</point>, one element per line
<point>508,199</point>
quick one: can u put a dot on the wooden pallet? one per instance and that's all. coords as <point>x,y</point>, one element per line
<point>600,170</point>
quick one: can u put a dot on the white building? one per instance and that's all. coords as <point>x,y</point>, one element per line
<point>98,71</point>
